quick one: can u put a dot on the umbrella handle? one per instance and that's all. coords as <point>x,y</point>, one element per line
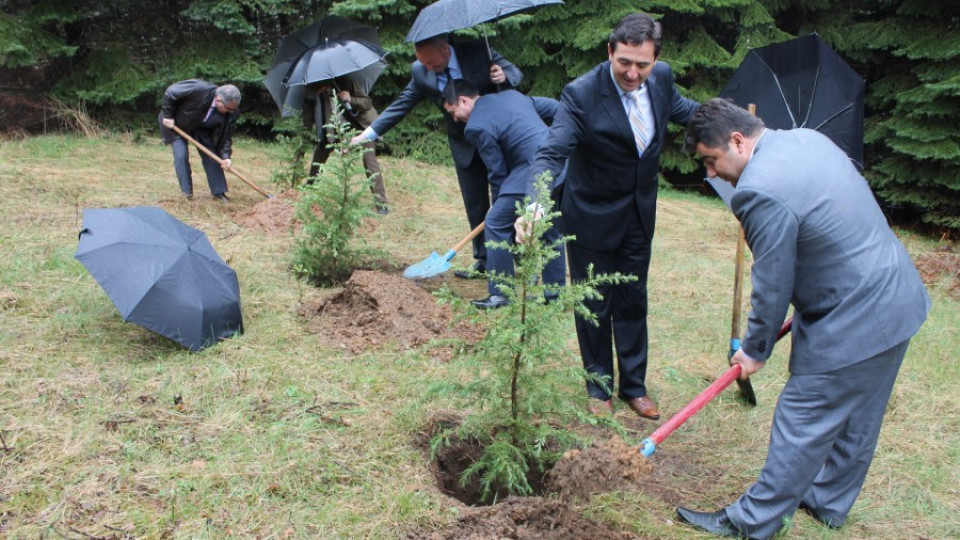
<point>216,158</point>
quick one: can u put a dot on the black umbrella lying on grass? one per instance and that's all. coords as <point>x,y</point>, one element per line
<point>161,274</point>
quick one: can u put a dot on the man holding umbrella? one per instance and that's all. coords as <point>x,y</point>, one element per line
<point>319,109</point>
<point>207,113</point>
<point>821,243</point>
<point>438,63</point>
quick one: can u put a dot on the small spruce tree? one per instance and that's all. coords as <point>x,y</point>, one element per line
<point>522,372</point>
<point>332,207</point>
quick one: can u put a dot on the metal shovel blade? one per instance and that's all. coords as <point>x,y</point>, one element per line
<point>433,265</point>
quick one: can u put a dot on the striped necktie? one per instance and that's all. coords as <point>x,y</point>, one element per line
<point>641,130</point>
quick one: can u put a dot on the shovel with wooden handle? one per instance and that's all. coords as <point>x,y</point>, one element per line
<point>216,158</point>
<point>436,264</point>
<point>745,386</point>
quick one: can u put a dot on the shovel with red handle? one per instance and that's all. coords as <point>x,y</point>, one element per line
<point>649,445</point>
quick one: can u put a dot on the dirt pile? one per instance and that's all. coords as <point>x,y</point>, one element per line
<point>599,468</point>
<point>376,310</point>
<point>523,518</point>
<point>272,217</point>
<point>935,266</point>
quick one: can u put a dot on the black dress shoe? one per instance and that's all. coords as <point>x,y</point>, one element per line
<point>818,518</point>
<point>493,301</point>
<point>715,523</point>
<point>478,271</point>
<point>382,209</point>
<point>222,197</point>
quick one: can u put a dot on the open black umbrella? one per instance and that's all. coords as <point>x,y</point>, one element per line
<point>161,274</point>
<point>446,16</point>
<point>319,35</point>
<point>803,83</point>
<point>361,61</point>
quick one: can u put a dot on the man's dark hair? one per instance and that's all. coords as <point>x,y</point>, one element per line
<point>457,88</point>
<point>634,29</point>
<point>715,121</point>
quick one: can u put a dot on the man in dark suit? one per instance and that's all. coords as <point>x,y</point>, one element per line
<point>820,242</point>
<point>612,124</point>
<point>506,128</point>
<point>489,72</point>
<point>359,112</point>
<point>207,113</point>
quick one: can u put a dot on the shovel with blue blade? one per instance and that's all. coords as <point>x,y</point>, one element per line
<point>436,264</point>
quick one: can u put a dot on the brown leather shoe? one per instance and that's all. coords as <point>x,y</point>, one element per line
<point>645,407</point>
<point>600,407</point>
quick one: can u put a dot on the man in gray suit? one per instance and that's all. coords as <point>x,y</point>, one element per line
<point>820,242</point>
<point>439,62</point>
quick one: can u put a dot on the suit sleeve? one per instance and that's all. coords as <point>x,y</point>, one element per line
<point>490,152</point>
<point>409,98</point>
<point>546,108</point>
<point>681,108</point>
<point>771,230</point>
<point>171,100</point>
<point>360,102</point>
<point>513,73</point>
<point>564,135</point>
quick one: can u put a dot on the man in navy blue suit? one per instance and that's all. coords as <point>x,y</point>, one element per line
<point>611,124</point>
<point>506,128</point>
<point>438,62</point>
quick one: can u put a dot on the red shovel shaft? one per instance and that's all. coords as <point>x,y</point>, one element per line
<point>649,445</point>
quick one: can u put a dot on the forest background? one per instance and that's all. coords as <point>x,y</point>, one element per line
<point>109,62</point>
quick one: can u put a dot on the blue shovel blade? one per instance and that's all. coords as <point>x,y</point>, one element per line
<point>429,267</point>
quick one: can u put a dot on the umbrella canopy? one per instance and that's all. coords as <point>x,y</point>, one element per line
<point>448,15</point>
<point>289,98</point>
<point>161,274</point>
<point>803,83</point>
<point>336,58</point>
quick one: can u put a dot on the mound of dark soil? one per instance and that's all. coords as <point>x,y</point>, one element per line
<point>523,518</point>
<point>599,468</point>
<point>376,310</point>
<point>937,265</point>
<point>272,217</point>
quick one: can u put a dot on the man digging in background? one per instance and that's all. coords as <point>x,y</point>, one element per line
<point>207,113</point>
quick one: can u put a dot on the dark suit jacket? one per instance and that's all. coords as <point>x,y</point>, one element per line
<point>820,242</point>
<point>187,102</point>
<point>361,116</point>
<point>606,179</point>
<point>506,128</point>
<point>475,67</point>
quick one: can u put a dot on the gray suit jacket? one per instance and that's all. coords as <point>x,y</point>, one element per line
<point>820,242</point>
<point>475,67</point>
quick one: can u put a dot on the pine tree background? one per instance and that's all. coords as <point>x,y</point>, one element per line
<point>115,58</point>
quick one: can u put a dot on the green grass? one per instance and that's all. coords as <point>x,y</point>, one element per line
<point>96,444</point>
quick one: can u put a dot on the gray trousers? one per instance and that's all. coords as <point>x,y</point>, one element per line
<point>181,164</point>
<point>824,434</point>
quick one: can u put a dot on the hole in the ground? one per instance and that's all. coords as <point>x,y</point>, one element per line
<point>456,458</point>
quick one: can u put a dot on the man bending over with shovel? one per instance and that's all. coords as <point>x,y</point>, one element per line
<point>506,128</point>
<point>207,113</point>
<point>820,242</point>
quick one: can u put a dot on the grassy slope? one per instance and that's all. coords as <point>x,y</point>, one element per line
<point>96,444</point>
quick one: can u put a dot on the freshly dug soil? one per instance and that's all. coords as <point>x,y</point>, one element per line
<point>523,518</point>
<point>377,310</point>
<point>599,468</point>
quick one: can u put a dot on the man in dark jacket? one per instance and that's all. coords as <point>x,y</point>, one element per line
<point>359,112</point>
<point>438,62</point>
<point>612,124</point>
<point>207,113</point>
